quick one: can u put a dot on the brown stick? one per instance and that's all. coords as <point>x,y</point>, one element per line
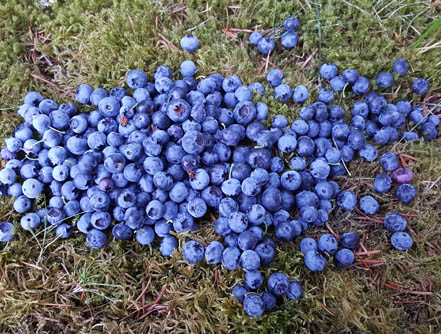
<point>306,62</point>
<point>45,81</point>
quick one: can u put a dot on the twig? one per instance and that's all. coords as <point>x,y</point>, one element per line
<point>198,26</point>
<point>267,61</point>
<point>332,231</point>
<point>368,253</point>
<point>32,265</point>
<point>167,41</point>
<point>306,62</point>
<point>344,165</point>
<point>55,305</point>
<point>45,81</point>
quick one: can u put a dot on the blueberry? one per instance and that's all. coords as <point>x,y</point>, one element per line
<point>315,261</point>
<point>275,77</point>
<point>406,193</point>
<point>338,83</point>
<point>189,43</point>
<point>382,136</point>
<point>256,87</point>
<point>247,240</point>
<point>328,71</point>
<point>168,245</point>
<point>300,127</point>
<point>401,241</point>
<point>356,140</point>
<point>253,279</point>
<point>155,209</point>
<point>255,37</point>
<point>291,24</point>
<point>319,169</point>
<point>97,95</point>
<point>384,79</point>
<point>6,233</point>
<point>346,200</point>
<point>269,299</point>
<point>145,235</point>
<point>420,86</point>
<point>238,222</point>
<point>230,258</point>
<point>7,176</point>
<point>325,95</point>
<point>360,86</point>
<point>231,187</point>
<point>429,131</point>
<point>395,222</point>
<point>239,292</point>
<point>266,253</point>
<point>96,239</point>
<point>297,163</point>
<point>178,193</point>
<point>285,231</point>
<point>266,45</point>
<point>308,244</point>
<point>230,240</point>
<point>350,75</point>
<point>434,119</point>
<point>121,231</point>
<point>197,207</point>
<point>193,252</point>
<point>254,305</point>
<point>136,79</point>
<point>283,92</point>
<point>400,66</point>
<point>249,260</point>
<point>83,93</point>
<point>368,153</point>
<point>259,158</point>
<point>306,198</point>
<point>327,243</point>
<point>382,183</point>
<point>295,290</point>
<point>109,106</point>
<point>32,188</point>
<point>290,39</point>
<point>212,195</point>
<point>404,107</point>
<point>350,240</point>
<point>33,98</point>
<point>308,214</point>
<point>243,93</point>
<point>402,175</point>
<point>305,146</point>
<point>213,253</point>
<point>163,85</point>
<point>389,161</point>
<point>22,204</point>
<point>261,111</point>
<point>300,94</point>
<point>369,205</point>
<point>30,221</point>
<point>278,283</point>
<point>344,257</point>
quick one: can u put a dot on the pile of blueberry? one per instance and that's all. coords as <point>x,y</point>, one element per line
<point>154,159</point>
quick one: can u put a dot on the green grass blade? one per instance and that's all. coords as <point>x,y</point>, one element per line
<point>435,24</point>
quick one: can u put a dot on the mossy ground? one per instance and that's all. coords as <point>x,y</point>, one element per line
<point>97,42</point>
